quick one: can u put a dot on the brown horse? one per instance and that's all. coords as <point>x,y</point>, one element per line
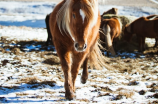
<point>111,11</point>
<point>74,26</point>
<point>111,29</point>
<point>143,27</point>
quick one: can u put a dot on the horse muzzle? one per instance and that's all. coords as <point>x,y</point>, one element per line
<point>80,47</point>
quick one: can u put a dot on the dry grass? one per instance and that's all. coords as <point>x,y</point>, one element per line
<point>129,72</point>
<point>106,89</point>
<point>22,94</point>
<point>125,92</point>
<point>103,94</point>
<point>35,80</point>
<point>50,92</point>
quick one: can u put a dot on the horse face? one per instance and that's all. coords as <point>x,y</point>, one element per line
<point>78,24</point>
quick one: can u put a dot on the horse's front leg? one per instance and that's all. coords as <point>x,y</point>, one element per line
<point>65,59</point>
<point>77,62</point>
<point>140,43</point>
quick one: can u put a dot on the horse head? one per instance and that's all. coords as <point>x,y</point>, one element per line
<point>81,16</point>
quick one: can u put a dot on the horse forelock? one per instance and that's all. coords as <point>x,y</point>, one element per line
<point>89,7</point>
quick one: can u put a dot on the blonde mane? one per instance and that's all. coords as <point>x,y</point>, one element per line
<point>89,7</point>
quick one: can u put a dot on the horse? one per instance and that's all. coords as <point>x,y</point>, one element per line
<point>111,29</point>
<point>111,11</point>
<point>143,27</point>
<point>74,25</point>
<point>49,38</point>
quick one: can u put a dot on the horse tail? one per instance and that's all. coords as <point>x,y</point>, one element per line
<point>97,60</point>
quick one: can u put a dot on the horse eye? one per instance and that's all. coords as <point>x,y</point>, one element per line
<point>73,15</point>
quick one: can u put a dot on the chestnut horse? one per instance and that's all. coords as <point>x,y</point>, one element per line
<point>111,29</point>
<point>143,27</point>
<point>74,26</point>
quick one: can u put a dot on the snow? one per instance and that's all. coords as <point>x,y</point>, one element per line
<point>24,34</point>
<point>32,14</point>
<point>14,13</point>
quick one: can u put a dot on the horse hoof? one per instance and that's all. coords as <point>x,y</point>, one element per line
<point>69,96</point>
<point>83,80</point>
<point>69,99</point>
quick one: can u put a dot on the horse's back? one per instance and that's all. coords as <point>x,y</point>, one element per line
<point>145,27</point>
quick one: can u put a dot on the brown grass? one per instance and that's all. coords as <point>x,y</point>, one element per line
<point>50,92</point>
<point>35,80</point>
<point>22,94</point>
<point>126,93</point>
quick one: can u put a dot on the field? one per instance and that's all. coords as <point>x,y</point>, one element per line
<point>30,71</point>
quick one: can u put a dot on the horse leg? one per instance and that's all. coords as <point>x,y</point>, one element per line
<point>77,62</point>
<point>140,44</point>
<point>84,76</point>
<point>143,43</point>
<point>65,58</point>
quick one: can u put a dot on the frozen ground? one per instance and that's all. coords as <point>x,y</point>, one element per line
<point>30,71</point>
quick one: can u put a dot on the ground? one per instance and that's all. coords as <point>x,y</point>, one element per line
<point>31,71</point>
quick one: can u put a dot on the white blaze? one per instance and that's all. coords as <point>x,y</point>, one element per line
<point>82,14</point>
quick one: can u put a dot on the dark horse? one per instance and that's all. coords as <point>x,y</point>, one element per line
<point>74,26</point>
<point>49,38</point>
<point>143,27</point>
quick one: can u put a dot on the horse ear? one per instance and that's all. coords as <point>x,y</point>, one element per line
<point>128,27</point>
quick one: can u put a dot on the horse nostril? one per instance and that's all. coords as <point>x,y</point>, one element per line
<point>85,46</point>
<point>76,45</point>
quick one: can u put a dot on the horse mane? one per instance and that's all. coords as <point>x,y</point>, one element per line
<point>89,7</point>
<point>120,23</point>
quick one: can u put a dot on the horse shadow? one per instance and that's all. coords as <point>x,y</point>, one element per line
<point>26,46</point>
<point>29,46</point>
